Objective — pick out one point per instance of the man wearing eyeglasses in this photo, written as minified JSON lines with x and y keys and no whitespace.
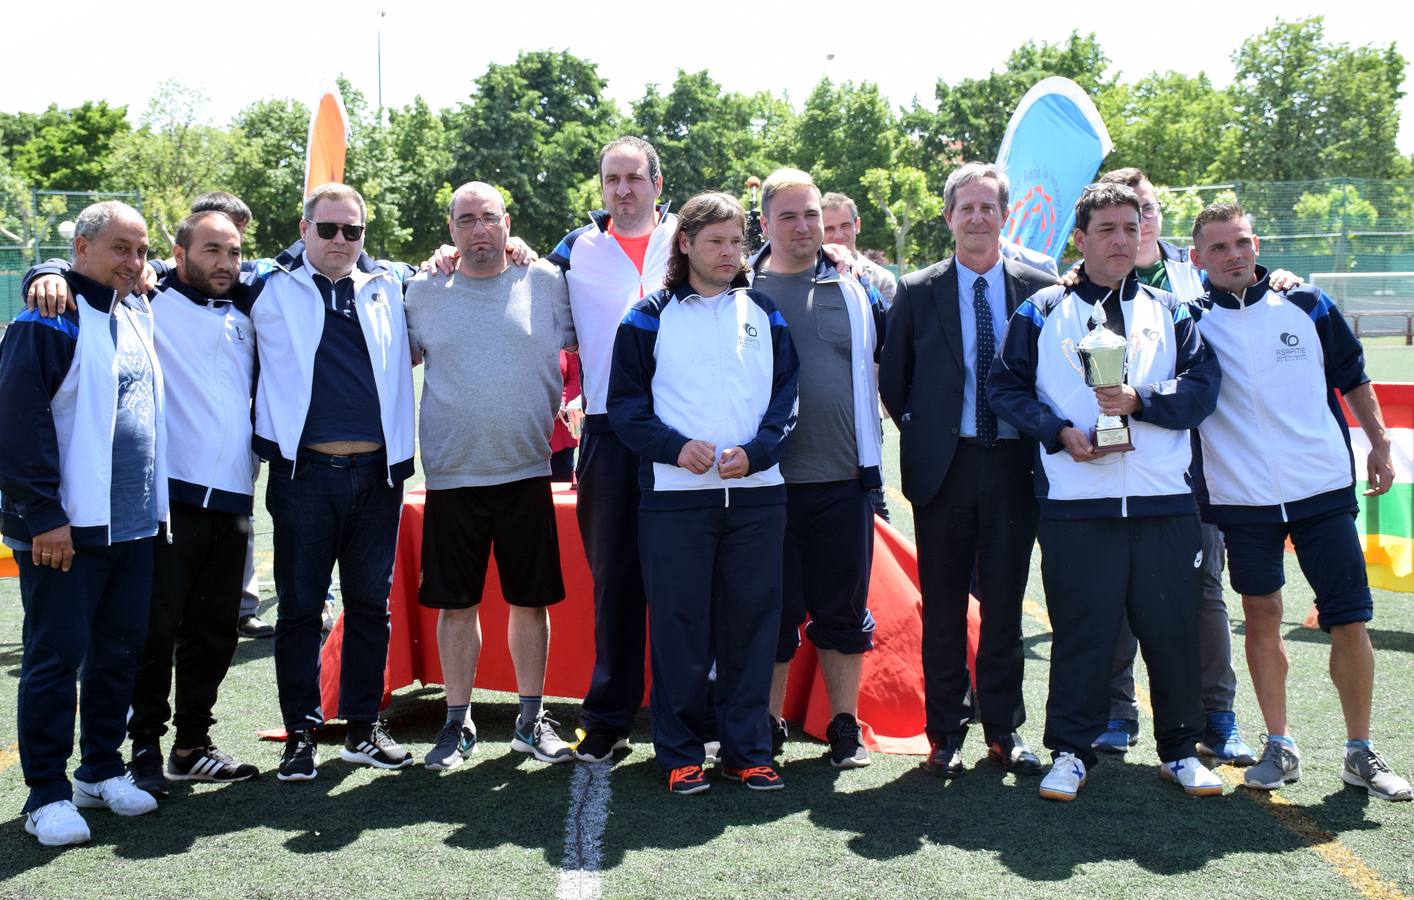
{"x":490,"y":336}
{"x":334,"y":418}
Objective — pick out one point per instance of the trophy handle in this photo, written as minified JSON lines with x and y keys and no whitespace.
{"x":1072,"y":356}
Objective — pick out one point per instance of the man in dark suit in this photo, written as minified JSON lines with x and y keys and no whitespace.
{"x":967,"y":475}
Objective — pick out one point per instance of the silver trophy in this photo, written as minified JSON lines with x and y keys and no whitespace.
{"x":1104,"y":358}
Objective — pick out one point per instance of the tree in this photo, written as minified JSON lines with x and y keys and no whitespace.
{"x":902,"y":194}
{"x":535,"y":128}
{"x":844,"y":132}
{"x":268,"y":171}
{"x":172,"y":158}
{"x":1308,"y":109}
{"x":420,"y":143}
{"x":69,"y":148}
{"x":1170,"y":125}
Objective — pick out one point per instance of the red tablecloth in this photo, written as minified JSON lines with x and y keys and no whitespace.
{"x":891,"y":694}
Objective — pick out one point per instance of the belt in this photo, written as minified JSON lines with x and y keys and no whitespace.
{"x":350,"y":461}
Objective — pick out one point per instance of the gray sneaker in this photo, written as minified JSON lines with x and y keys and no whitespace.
{"x":454,"y":743}
{"x":1280,"y":765}
{"x":1367,"y":769}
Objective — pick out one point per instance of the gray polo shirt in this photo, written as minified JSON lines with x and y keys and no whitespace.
{"x":491,"y":348}
{"x":822,"y":447}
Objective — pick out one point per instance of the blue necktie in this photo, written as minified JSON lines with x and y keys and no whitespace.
{"x":986,"y":349}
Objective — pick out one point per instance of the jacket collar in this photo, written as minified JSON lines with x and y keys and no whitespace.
{"x":1091,"y":292}
{"x":99,"y":295}
{"x":601,"y":217}
{"x":1254,"y":292}
{"x":175,"y":283}
{"x":824,"y":269}
{"x":684,"y":290}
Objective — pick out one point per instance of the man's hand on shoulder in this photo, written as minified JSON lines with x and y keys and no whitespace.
{"x":519,"y":252}
{"x":49,"y":294}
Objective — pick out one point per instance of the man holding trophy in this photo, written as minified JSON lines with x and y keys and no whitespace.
{"x":1108,"y":377}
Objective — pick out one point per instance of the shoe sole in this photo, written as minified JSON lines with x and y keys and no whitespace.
{"x":620,"y":744}
{"x":1289,"y":778}
{"x":156,"y":792}
{"x":942,"y":771}
{"x":173,"y":776}
{"x":688,"y":792}
{"x":84,"y":801}
{"x":78,"y":839}
{"x":1354,"y":780}
{"x":1211,"y":790}
{"x":298,"y":776}
{"x":1243,"y":761}
{"x":353,"y":756}
{"x":453,"y":762}
{"x":851,"y":762}
{"x":521,"y":746}
{"x":1111,"y":748}
{"x":1062,"y":796}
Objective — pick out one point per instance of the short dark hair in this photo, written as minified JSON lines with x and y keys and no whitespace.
{"x":1216,"y":212}
{"x":220,"y":201}
{"x":836,"y":200}
{"x":633,"y":143}
{"x":1130,"y":176}
{"x":696,"y":214}
{"x":1103,"y":195}
{"x":187,"y":227}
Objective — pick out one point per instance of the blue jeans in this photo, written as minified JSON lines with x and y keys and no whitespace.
{"x":89,"y":624}
{"x":325,"y":515}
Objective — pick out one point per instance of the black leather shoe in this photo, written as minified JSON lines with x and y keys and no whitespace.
{"x":1011,"y":751}
{"x":945,"y":759}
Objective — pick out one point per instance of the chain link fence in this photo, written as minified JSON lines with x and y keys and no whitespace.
{"x":33,"y":226}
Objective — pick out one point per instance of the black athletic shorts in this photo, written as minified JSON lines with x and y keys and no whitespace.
{"x":463,"y":526}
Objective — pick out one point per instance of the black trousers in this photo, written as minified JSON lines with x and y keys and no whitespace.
{"x":607,"y":510}
{"x":196,"y":598}
{"x":1095,"y":571}
{"x":85,"y":625}
{"x":983,"y":518}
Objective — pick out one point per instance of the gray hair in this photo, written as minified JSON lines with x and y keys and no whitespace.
{"x":97,"y":216}
{"x":334,"y":191}
{"x":475,"y":187}
{"x":836,"y":200}
{"x":967,"y":173}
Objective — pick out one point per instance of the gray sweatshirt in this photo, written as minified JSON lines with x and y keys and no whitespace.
{"x":492,"y":386}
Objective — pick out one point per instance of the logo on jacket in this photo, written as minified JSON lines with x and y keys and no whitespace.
{"x":1151,"y":334}
{"x":240,"y":335}
{"x":748,"y":339}
{"x":1290,"y":349}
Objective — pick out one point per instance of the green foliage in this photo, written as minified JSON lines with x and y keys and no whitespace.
{"x":67,"y":149}
{"x":268,"y":171}
{"x":1169,"y":125}
{"x":902,"y":194}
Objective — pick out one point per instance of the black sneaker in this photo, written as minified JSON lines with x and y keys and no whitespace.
{"x":377,"y":748}
{"x":599,"y":746}
{"x":146,"y":769}
{"x":301,"y":759}
{"x":779,"y":733}
{"x":208,"y":764}
{"x":253,"y":626}
{"x":846,"y":752}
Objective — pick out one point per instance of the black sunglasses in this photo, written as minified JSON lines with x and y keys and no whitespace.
{"x":327,"y":230}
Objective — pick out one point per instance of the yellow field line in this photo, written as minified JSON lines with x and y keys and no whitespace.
{"x":9,"y":756}
{"x":1327,"y":846}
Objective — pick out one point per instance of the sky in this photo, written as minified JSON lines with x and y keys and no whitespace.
{"x":256,"y":49}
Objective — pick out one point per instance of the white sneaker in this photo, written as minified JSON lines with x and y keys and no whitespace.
{"x":117,"y":793}
{"x":57,"y":824}
{"x":1066,"y":778}
{"x":711,"y":753}
{"x":1193,"y":776}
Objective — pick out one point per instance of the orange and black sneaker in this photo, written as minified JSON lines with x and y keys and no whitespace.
{"x":758,"y":778}
{"x":687,"y":780}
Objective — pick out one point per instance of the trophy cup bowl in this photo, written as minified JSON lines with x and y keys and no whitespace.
{"x":1104,"y":357}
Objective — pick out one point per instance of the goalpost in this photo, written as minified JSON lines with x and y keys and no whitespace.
{"x":1374,"y":302}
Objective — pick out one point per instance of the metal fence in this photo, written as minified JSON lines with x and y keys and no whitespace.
{"x":1331,"y":225}
{"x":32,"y":229}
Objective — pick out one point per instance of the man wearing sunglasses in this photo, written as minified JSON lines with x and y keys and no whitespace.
{"x":334,"y":418}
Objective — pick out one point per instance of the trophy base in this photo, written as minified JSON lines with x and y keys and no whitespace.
{"x":1111,"y":440}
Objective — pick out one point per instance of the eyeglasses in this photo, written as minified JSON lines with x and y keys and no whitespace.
{"x":487,"y":221}
{"x":327,"y":230}
{"x":1150,"y":210}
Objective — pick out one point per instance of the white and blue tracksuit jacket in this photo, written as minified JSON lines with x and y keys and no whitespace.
{"x":1037,"y":386}
{"x":686,"y":369}
{"x":58,"y":406}
{"x":1277,"y":448}
{"x":604,"y":284}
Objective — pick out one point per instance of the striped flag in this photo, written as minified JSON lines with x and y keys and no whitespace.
{"x":1386,"y":522}
{"x":328,"y":140}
